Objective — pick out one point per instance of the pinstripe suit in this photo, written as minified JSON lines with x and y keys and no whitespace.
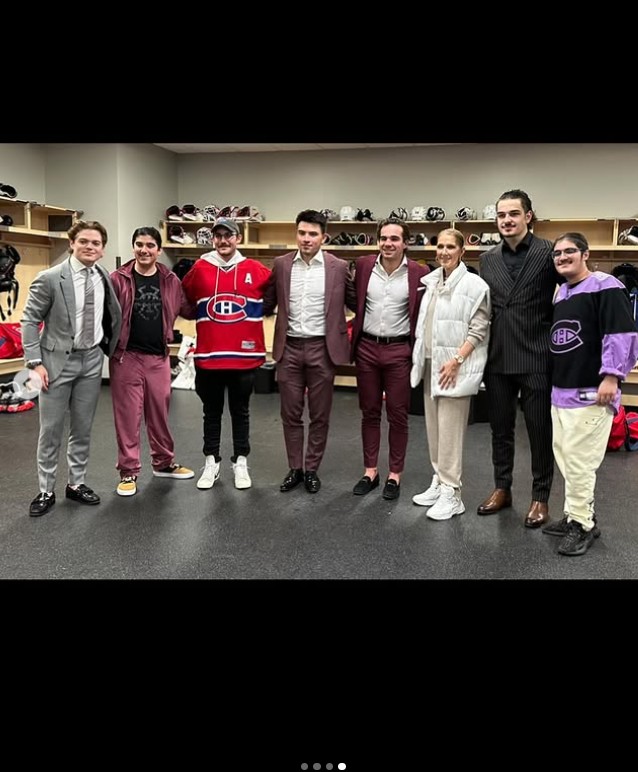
{"x":519,"y":359}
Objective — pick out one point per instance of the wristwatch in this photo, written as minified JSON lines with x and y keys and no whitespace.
{"x":33,"y":363}
{"x":459,"y":358}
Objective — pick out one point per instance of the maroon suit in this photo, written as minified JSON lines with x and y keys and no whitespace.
{"x":383,"y":367}
{"x":307,"y":362}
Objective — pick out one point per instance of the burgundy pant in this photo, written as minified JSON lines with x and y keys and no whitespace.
{"x":305,"y":363}
{"x":380,"y":368}
{"x":141,"y":385}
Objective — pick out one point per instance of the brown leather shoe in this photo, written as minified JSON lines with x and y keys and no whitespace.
{"x":499,"y":498}
{"x":538,"y":514}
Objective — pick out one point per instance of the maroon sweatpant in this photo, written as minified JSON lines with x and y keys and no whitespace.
{"x":141,"y":385}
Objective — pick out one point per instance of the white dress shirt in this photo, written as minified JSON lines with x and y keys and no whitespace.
{"x":307,"y":306}
{"x":387,"y":301}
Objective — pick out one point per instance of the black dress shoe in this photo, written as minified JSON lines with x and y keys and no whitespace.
{"x":41,"y":504}
{"x":312,"y":482}
{"x":391,"y":490}
{"x":291,"y":480}
{"x":365,"y":485}
{"x":83,"y":494}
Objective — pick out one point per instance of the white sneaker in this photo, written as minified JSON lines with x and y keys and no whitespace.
{"x":431,"y":495}
{"x":448,"y":504}
{"x":240,"y":468}
{"x":210,"y":474}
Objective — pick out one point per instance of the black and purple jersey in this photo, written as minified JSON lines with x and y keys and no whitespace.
{"x":593,"y":334}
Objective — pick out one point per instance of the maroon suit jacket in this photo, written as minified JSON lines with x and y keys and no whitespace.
{"x":277,"y":295}
{"x":358,"y":289}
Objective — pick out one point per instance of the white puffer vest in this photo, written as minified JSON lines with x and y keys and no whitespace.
{"x":457,"y":302}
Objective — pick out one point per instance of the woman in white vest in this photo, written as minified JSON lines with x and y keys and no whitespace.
{"x":449,"y":354}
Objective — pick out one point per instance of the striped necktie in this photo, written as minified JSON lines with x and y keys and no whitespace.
{"x":87,"y":337}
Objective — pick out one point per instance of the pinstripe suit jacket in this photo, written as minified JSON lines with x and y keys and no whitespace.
{"x":521,"y":310}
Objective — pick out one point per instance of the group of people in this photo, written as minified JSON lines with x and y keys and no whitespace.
{"x":562,"y":353}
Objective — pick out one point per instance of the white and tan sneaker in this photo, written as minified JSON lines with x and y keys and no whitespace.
{"x":210,"y":474}
{"x":176,"y":471}
{"x":127,"y":486}
{"x":240,"y":468}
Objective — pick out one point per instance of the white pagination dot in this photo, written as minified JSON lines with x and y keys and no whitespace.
{"x":341,"y":765}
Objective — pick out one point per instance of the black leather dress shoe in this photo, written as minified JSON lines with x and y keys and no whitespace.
{"x":83,"y":494}
{"x":41,"y":504}
{"x":365,"y":485}
{"x":391,"y":490}
{"x":312,"y":482}
{"x":291,"y":480}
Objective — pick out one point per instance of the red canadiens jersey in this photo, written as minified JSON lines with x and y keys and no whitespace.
{"x":230,"y":330}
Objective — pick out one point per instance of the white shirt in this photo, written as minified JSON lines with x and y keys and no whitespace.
{"x":79,"y":281}
{"x":307,"y":307}
{"x":387,"y":301}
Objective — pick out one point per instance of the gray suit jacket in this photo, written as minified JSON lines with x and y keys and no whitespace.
{"x":52,"y":301}
{"x":277,"y":295}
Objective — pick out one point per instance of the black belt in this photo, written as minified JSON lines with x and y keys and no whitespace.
{"x":299,"y":339}
{"x":386,"y":341}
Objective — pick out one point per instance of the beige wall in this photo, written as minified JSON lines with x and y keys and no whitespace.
{"x":563,"y":180}
{"x":22,"y":166}
{"x":121,"y":185}
{"x":146,"y":187}
{"x":128,"y":185}
{"x":84,"y":176}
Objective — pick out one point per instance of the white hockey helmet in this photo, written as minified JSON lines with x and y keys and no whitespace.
{"x":347,"y":213}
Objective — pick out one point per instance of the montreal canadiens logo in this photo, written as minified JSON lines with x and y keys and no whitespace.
{"x":226,"y":308}
{"x":565,"y":337}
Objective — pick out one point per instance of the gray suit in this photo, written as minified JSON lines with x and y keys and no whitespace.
{"x":75,"y":377}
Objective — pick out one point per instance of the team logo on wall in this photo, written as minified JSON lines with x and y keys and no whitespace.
{"x":565,"y":337}
{"x":226,"y":308}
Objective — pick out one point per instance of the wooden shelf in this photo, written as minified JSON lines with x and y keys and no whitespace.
{"x":34,"y":232}
{"x":265,"y":240}
{"x":39,"y":233}
{"x":9,"y":366}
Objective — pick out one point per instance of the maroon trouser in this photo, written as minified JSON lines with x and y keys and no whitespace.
{"x":384,"y":367}
{"x":141,"y":385}
{"x":305,"y":363}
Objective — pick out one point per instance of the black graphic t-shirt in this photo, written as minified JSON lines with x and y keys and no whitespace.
{"x":146,"y":320}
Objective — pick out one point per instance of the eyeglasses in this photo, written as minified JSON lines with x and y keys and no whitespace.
{"x":225,"y":235}
{"x":569,"y":251}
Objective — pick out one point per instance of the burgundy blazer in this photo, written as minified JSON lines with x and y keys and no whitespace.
{"x":277,"y":295}
{"x":358,"y":289}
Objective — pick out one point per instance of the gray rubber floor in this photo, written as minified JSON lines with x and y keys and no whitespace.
{"x":171,"y":530}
